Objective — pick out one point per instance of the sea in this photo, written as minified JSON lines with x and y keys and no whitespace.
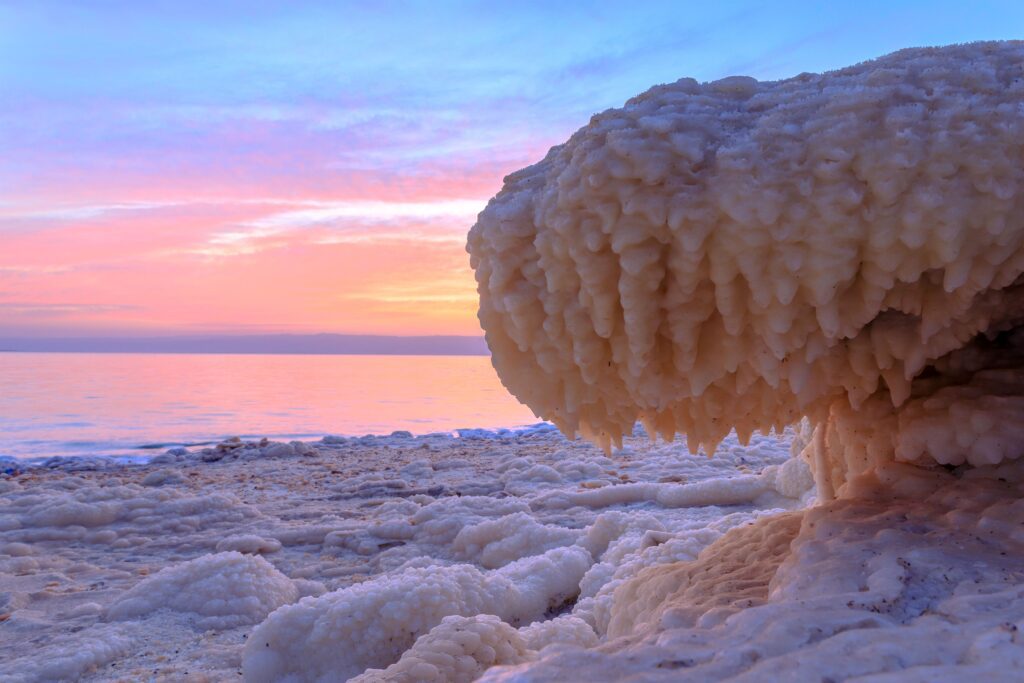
{"x":136,"y":405}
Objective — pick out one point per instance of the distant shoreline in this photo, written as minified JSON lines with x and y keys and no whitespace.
{"x":271,"y":344}
{"x":253,"y":353}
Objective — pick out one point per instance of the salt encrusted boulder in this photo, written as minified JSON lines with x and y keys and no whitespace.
{"x":737,"y":254}
{"x":222,"y":591}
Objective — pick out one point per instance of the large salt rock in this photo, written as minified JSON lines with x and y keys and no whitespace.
{"x":737,"y":254}
{"x":222,"y":591}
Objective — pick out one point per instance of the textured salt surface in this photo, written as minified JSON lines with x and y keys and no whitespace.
{"x":130,"y":572}
{"x":516,"y":557}
{"x":927,"y":585}
{"x":846,"y":246}
{"x":844,"y":250}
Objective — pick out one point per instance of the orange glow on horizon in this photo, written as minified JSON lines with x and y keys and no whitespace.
{"x":370,"y":266}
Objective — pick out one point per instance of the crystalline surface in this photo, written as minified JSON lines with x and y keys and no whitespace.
{"x":737,"y":254}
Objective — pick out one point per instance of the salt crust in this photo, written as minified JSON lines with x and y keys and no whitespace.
{"x":716,"y":585}
{"x":60,"y":662}
{"x":736,"y":254}
{"x":221,"y":591}
{"x":495,"y":543}
{"x":81,"y":539}
{"x":866,"y":590}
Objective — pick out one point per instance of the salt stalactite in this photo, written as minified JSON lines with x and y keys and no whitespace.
{"x":846,"y":246}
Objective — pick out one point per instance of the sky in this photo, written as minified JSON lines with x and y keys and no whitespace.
{"x":302,"y":167}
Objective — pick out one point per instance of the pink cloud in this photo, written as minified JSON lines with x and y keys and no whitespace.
{"x":368,"y":266}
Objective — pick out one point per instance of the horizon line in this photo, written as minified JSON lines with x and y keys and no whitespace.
{"x":321,"y":343}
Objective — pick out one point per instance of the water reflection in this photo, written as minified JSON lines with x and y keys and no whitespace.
{"x":68,"y":403}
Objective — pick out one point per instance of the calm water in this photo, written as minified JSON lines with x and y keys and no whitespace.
{"x":117,"y":404}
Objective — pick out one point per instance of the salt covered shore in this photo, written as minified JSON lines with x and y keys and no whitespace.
{"x":165,"y":571}
{"x":515,"y":556}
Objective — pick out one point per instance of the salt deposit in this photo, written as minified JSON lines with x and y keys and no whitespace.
{"x":843,"y":250}
{"x":402,"y":586}
{"x":889,"y":588}
{"x":847,"y":246}
{"x":220,"y":591}
{"x":458,"y":650}
{"x":382,"y":618}
{"x":347,"y":555}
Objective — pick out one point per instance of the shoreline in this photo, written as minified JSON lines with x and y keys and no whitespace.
{"x":197,"y":447}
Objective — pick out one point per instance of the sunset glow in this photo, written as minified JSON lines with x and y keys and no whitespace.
{"x":241,"y":168}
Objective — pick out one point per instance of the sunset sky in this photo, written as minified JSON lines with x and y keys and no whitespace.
{"x":221,"y":167}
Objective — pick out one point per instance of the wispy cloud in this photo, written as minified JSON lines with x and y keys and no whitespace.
{"x":75,"y":212}
{"x":61,"y":309}
{"x":321,"y":213}
{"x":349,"y":222}
{"x":33,"y":270}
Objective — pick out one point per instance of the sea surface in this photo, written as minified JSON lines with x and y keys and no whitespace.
{"x":112,"y":404}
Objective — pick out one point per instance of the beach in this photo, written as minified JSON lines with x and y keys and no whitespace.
{"x":80,"y":534}
{"x":504,"y":555}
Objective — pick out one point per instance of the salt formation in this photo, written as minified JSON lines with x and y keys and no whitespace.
{"x":926,"y":586}
{"x":737,"y":254}
{"x":83,"y":543}
{"x":380,"y":619}
{"x":495,"y":543}
{"x":456,"y":651}
{"x":62,"y":661}
{"x":249,"y":544}
{"x":221,"y":591}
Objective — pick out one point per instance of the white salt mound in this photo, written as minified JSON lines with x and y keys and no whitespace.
{"x":222,"y":591}
{"x":495,"y":543}
{"x":341,"y":634}
{"x":457,"y":650}
{"x":564,"y":630}
{"x":249,"y":544}
{"x":737,"y":254}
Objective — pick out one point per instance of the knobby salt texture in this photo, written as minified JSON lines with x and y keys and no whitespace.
{"x":737,"y":254}
{"x":221,"y":591}
{"x":110,"y":577}
{"x":458,"y":650}
{"x":888,"y":586}
{"x":380,"y":619}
